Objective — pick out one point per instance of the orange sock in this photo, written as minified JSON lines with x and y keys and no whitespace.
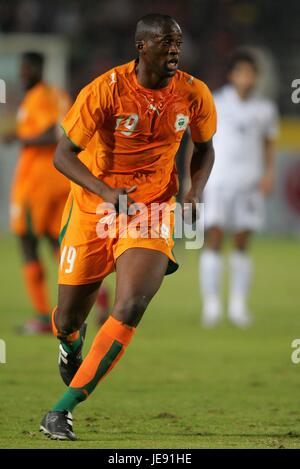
{"x":36,"y":286}
{"x":108,"y":347}
{"x":106,"y":350}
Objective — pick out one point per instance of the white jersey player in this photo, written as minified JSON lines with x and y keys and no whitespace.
{"x":242,"y":176}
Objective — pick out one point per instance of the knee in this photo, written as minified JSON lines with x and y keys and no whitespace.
{"x":64,"y":324}
{"x":130,"y":310}
{"x":240,"y":246}
{"x":214,"y":239}
{"x":241,"y":241}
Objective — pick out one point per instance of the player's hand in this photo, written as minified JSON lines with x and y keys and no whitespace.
{"x":190,"y":202}
{"x":266,"y":185}
{"x":112,"y":196}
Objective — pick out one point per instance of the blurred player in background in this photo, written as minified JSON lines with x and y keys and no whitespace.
{"x":242,"y":176}
{"x":122,"y":136}
{"x":39,"y":191}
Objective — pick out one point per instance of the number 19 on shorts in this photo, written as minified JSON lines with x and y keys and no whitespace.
{"x":67,"y":259}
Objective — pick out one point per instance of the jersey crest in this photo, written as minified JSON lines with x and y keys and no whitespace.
{"x":181,"y":122}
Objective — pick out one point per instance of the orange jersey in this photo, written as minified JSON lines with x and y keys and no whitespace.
{"x":42,"y":107}
{"x":130,"y":135}
{"x":38,"y":187}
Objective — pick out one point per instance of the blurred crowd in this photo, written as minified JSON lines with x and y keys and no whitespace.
{"x":101,"y":33}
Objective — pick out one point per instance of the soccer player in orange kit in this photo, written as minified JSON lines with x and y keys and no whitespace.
{"x":121,"y":137}
{"x":39,"y":191}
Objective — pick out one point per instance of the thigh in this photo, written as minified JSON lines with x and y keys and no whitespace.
{"x":216,"y":208}
{"x":248,"y":212}
{"x":140,"y":273}
{"x":214,"y":238}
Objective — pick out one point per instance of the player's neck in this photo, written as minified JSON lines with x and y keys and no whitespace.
{"x":149,"y":79}
{"x":243,"y":94}
{"x":32,"y":84}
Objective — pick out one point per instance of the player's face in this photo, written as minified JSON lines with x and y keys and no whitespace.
{"x":243,"y":77}
{"x":162,"y":50}
{"x":29,"y":73}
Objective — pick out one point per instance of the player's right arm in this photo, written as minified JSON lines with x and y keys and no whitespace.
{"x":82,"y":121}
{"x":67,"y":162}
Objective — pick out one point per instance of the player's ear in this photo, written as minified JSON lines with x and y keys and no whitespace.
{"x":140,"y":46}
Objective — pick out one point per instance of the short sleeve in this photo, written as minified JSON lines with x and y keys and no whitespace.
{"x":204,"y":117}
{"x":87,"y":114}
{"x":272,"y":121}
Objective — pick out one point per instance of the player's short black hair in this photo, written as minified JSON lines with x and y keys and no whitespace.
{"x":35,"y":58}
{"x":242,"y":55}
{"x":148,"y":23}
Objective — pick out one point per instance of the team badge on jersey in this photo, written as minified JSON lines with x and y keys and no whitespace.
{"x":181,"y":122}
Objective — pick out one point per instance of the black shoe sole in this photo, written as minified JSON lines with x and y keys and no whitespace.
{"x":53,"y":436}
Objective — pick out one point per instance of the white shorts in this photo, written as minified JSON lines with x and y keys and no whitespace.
{"x":233,"y":209}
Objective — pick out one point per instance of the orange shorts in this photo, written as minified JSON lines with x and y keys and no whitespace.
{"x":38,"y":199}
{"x":91,"y":243}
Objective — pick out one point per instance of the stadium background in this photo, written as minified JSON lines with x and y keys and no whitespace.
{"x":82,"y":39}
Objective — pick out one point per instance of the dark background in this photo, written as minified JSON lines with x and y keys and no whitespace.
{"x":101,"y":33}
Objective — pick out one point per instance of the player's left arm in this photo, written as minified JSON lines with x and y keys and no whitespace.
{"x":48,"y":137}
{"x":48,"y":112}
{"x":266,"y":183}
{"x":202,"y":161}
{"x":271,"y":129}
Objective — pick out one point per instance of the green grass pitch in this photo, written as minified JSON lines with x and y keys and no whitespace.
{"x":178,"y":386}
